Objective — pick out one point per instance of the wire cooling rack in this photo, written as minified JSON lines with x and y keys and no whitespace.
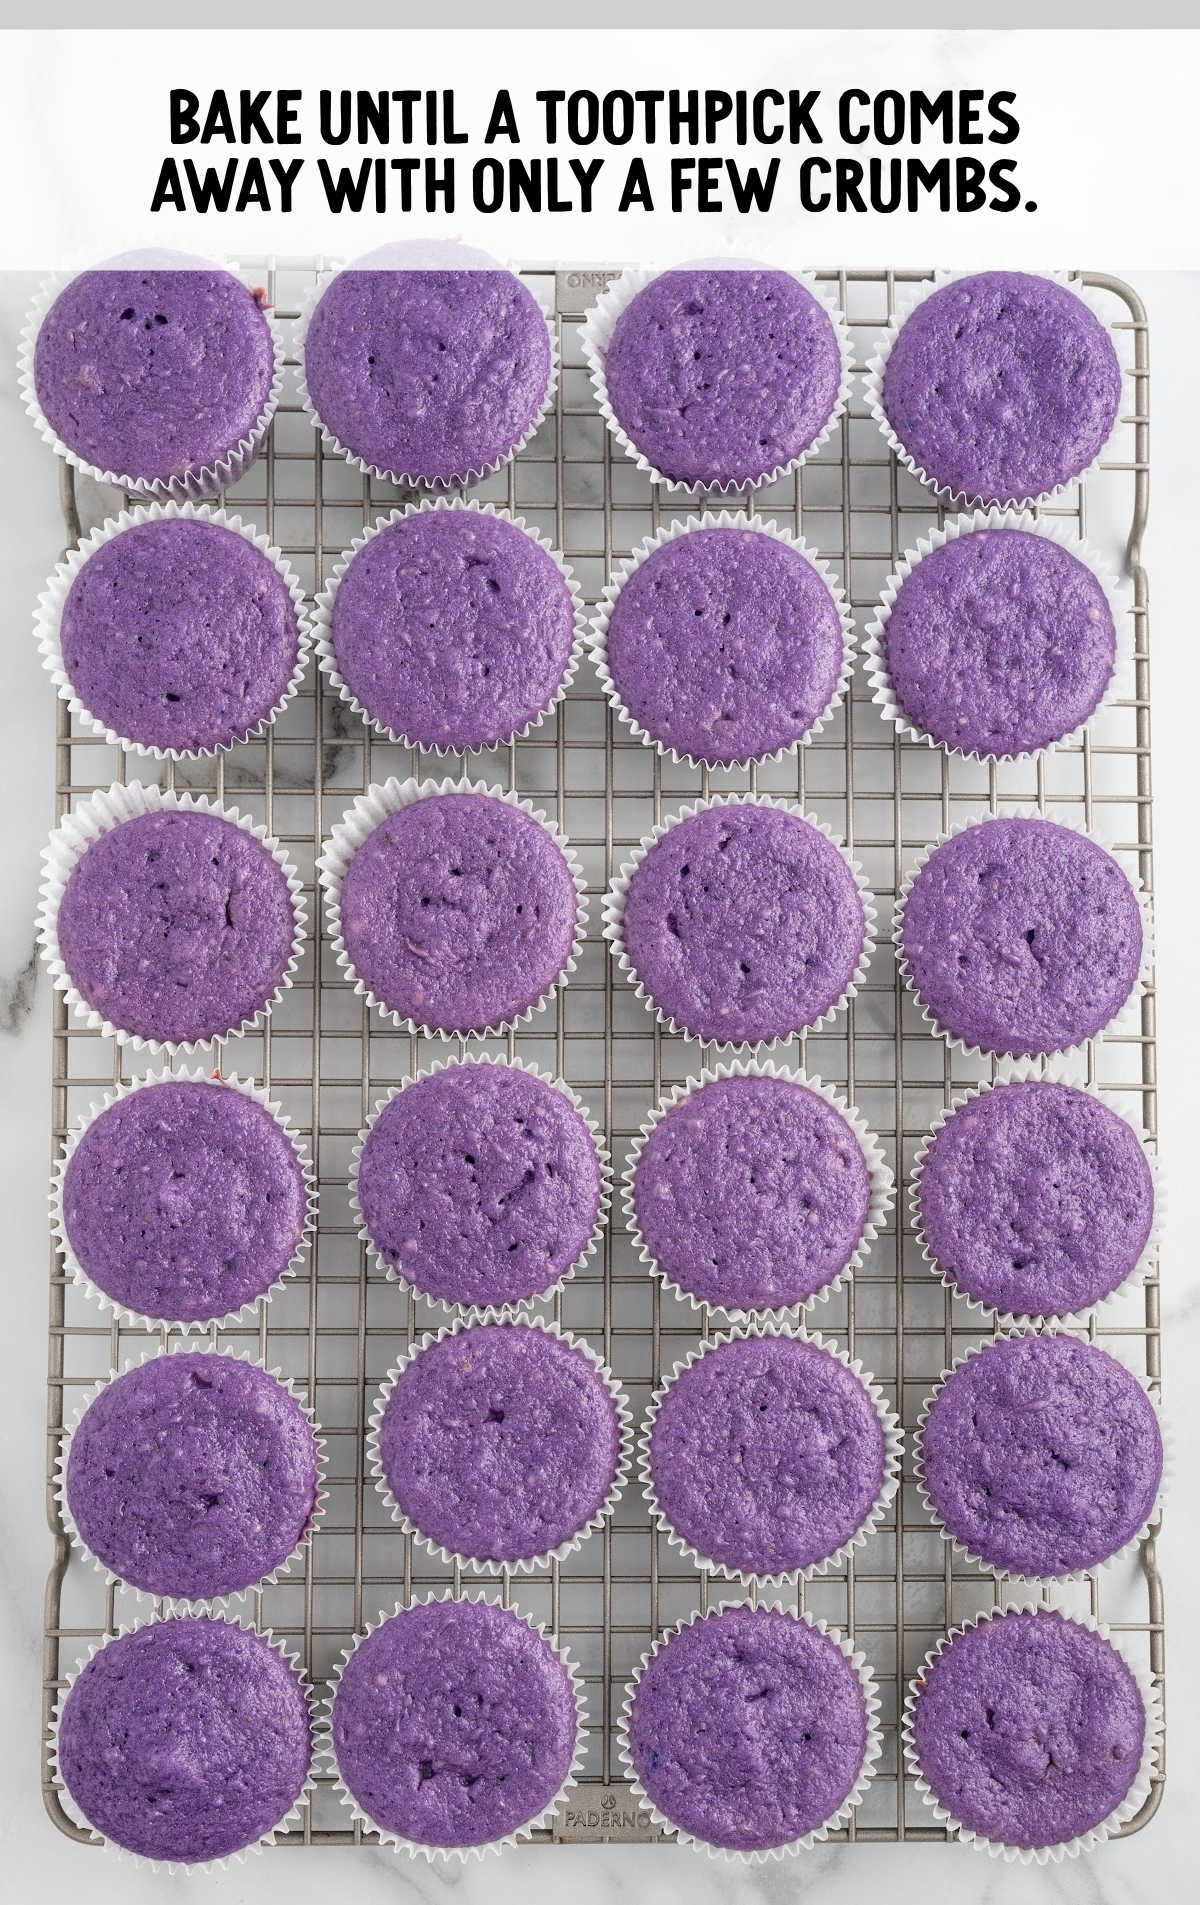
{"x":329,"y":1059}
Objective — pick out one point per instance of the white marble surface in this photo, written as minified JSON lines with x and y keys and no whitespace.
{"x":36,"y":1861}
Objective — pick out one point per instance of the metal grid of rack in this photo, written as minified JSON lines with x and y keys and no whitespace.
{"x":328,"y":1059}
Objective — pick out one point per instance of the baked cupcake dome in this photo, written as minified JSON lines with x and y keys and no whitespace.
{"x":480,"y":1184}
{"x":997,"y":643}
{"x":192,"y":1476}
{"x":1002,"y":1702}
{"x":186,"y":1740}
{"x":451,"y":627}
{"x":1000,"y":387}
{"x":741,"y":921}
{"x":723,"y":376}
{"x":1034,"y":1199}
{"x":178,"y":632}
{"x":724,"y":643}
{"x":751,"y":1732}
{"x":1041,"y":1455}
{"x":1020,"y":936}
{"x":769,"y":1454}
{"x":454,"y":1726}
{"x":155,"y":376}
{"x":500,"y":1443}
{"x":755,"y":1191}
{"x":427,"y":376}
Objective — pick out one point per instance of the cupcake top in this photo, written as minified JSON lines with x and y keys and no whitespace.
{"x":193,"y":1475}
{"x":767,"y":1454}
{"x":1002,"y":386}
{"x":1029,"y":1729}
{"x":748,"y":1729}
{"x":186,"y":1740}
{"x":1035,"y":1199}
{"x":454,"y":1724}
{"x":752,"y":1193}
{"x":154,"y":375}
{"x":184,"y":1200}
{"x":433,"y":375}
{"x":1042,"y":1455}
{"x":999,"y":643}
{"x":723,"y":376}
{"x":176,"y":925}
{"x":725,"y":645}
{"x":179,"y":634}
{"x":500,"y":1442}
{"x":459,"y":912}
{"x":453,"y":628}
{"x":1021,"y":937}
{"x":480,"y":1185}
{"x":744,"y":922}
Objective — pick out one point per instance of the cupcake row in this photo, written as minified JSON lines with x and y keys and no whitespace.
{"x":455,"y":1727}
{"x":177,"y":630}
{"x":161,"y":374}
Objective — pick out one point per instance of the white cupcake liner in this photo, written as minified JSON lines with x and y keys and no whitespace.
{"x":290,"y":1820}
{"x":595,"y":336}
{"x":52,"y":601}
{"x":103,"y":811}
{"x":194,"y":484}
{"x":893,"y":1440}
{"x":484,"y":1564}
{"x":1070,"y":1848}
{"x":881,"y":1194}
{"x":454,"y":1855}
{"x":874,"y":655}
{"x":1125,"y":1013}
{"x":961,"y":1549}
{"x":176,"y":1603}
{"x":1022,"y":1071}
{"x":906,"y":303}
{"x":671,"y":532}
{"x":73,"y":1267}
{"x":323,"y":622}
{"x":403,"y":479}
{"x":518,"y":1306}
{"x":360,"y":821}
{"x":836,"y":1820}
{"x":614,"y":915}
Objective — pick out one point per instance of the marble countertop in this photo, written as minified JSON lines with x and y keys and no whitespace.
{"x":37,"y":1861}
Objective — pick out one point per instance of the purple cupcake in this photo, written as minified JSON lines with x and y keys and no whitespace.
{"x":996,"y":642}
{"x":427,"y":376}
{"x":755,"y":1192}
{"x":1000,"y":387}
{"x":723,"y":644}
{"x":480,"y":1184}
{"x":175,"y":926}
{"x":727,"y":376}
{"x":454,"y":1727}
{"x":450,"y":628}
{"x":161,"y":380}
{"x":741,"y":922}
{"x":769,"y":1455}
{"x":186,"y":1740}
{"x":1020,"y":937}
{"x":1034,"y":1199}
{"x":183,"y":1200}
{"x":174,"y":634}
{"x":751,"y":1732}
{"x":1029,"y":1731}
{"x":500,"y":1444}
{"x":455,"y":910}
{"x":1041,"y":1455}
{"x":193,"y":1476}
